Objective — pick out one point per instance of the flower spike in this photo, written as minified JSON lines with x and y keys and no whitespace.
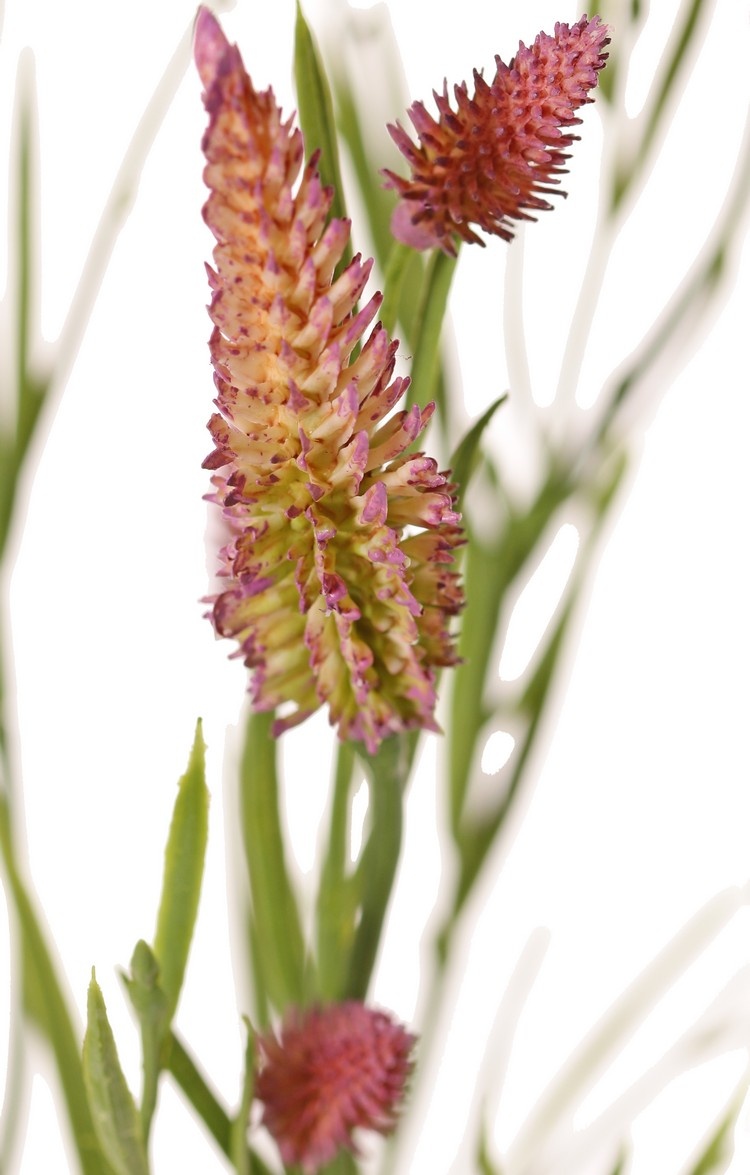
{"x":492,"y":160}
{"x":330,"y":1071}
{"x":332,"y":600}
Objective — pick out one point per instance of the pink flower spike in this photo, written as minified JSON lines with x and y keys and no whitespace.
{"x":492,"y":160}
{"x":330,"y":1071}
{"x":317,"y":588}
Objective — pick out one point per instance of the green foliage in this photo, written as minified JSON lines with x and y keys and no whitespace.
{"x":465,"y":456}
{"x":152,"y":1008}
{"x":183,"y":873}
{"x":315,"y":109}
{"x":113,"y":1110}
{"x":46,"y":1004}
{"x":278,"y":946}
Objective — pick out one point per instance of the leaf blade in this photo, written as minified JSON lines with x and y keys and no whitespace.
{"x":114,"y":1114}
{"x":183,"y":873}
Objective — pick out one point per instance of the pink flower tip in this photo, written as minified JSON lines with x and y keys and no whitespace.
{"x":330,"y":1071}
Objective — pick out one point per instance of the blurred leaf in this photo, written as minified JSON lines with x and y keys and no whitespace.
{"x":183,"y":873}
{"x":466,"y":454}
{"x":152,"y":1008}
{"x":316,"y":114}
{"x":572,"y":1083}
{"x":485,"y":1166}
{"x":113,"y":1110}
{"x":717,"y":1153}
{"x":621,"y":1162}
{"x":671,"y":70}
{"x":46,"y":1004}
{"x":240,"y":1156}
{"x":427,"y":333}
{"x":280,"y":949}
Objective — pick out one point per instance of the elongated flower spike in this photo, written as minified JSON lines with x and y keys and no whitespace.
{"x":339,"y":585}
{"x":329,"y":1072}
{"x":492,"y":160}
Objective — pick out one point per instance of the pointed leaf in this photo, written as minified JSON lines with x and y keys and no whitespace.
{"x":46,"y":1003}
{"x":316,"y":112}
{"x":113,"y":1110}
{"x":464,"y":458}
{"x":719,"y":1149}
{"x":183,"y":873}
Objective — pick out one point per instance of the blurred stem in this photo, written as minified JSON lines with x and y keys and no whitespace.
{"x":672,"y":68}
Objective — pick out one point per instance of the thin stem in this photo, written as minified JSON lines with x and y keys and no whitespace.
{"x":205,"y":1102}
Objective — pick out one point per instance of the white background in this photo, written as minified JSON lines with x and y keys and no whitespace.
{"x":641,"y":808}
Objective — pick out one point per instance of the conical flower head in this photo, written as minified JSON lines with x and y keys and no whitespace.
{"x":339,"y":586}
{"x":331,"y":1071}
{"x":492,"y":159}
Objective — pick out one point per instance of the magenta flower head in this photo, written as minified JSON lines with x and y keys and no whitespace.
{"x":339,"y":586}
{"x":331,"y":1071}
{"x":492,"y":159}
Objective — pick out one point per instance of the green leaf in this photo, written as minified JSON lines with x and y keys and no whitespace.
{"x":621,"y":1162}
{"x":183,"y":873}
{"x":280,"y":950}
{"x":113,"y":1110}
{"x":152,"y":1008}
{"x":464,"y":459}
{"x":719,"y":1149}
{"x":315,"y":109}
{"x":46,"y":1003}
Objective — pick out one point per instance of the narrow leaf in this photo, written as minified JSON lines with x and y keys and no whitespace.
{"x":316,"y":112}
{"x":113,"y":1110}
{"x":719,"y":1149}
{"x":464,"y":459}
{"x":183,"y":873}
{"x":152,"y":1008}
{"x":47,"y":1004}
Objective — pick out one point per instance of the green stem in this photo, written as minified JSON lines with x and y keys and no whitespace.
{"x":280,"y":952}
{"x":205,"y":1102}
{"x":388,"y":771}
{"x":336,"y":906}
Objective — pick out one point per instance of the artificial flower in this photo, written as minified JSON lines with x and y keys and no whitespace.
{"x":331,"y":1071}
{"x":493,"y":158}
{"x":338,"y":565}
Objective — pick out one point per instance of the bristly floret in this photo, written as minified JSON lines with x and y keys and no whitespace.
{"x":492,"y":159}
{"x":330,"y":601}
